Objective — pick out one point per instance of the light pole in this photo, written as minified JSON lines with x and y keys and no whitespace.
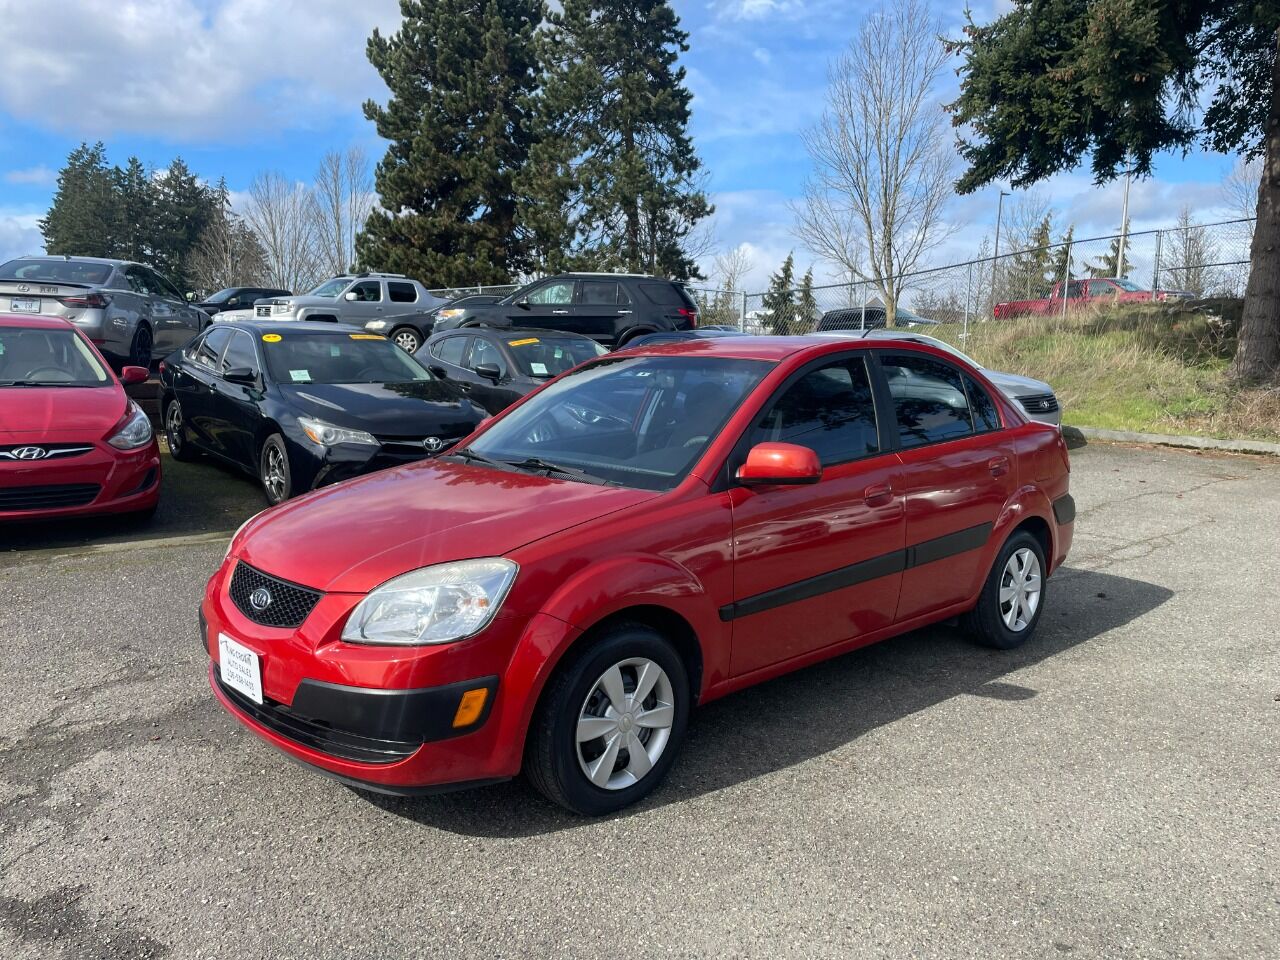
{"x":1124,"y":220}
{"x":995,"y":256}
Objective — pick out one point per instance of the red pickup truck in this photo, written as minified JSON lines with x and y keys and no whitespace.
{"x":1082,"y":292}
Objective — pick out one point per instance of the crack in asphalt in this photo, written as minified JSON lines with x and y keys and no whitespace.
{"x":58,"y":920}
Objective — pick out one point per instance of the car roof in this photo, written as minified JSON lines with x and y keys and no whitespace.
{"x":35,"y":321}
{"x":289,"y":326}
{"x":771,"y":348}
{"x":47,"y":258}
{"x":505,"y":332}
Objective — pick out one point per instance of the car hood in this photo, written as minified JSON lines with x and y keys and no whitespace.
{"x":417,"y":409}
{"x":1015,"y":385}
{"x":60,"y":413}
{"x":354,"y":536}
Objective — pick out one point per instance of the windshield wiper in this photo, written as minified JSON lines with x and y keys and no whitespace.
{"x":41,"y":383}
{"x":470,"y":456}
{"x":537,"y":463}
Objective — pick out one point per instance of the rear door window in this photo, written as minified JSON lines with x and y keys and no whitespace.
{"x":600,"y":293}
{"x":451,"y":350}
{"x":928,"y":397}
{"x":400,"y":292}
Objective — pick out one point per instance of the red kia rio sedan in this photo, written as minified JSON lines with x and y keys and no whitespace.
{"x":647,"y":532}
{"x":71,"y":442}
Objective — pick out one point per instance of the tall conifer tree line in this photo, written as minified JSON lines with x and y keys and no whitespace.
{"x":526,"y":140}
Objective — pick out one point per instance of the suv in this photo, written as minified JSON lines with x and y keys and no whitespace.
{"x":371,"y":301}
{"x":238,"y":298}
{"x":610,"y":308}
{"x":127,"y":309}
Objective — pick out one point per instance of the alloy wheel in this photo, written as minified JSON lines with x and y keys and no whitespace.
{"x":625,"y":723}
{"x":173,"y":426}
{"x":1020,"y":587}
{"x":407,"y":341}
{"x":142,"y":348}
{"x":273,"y":473}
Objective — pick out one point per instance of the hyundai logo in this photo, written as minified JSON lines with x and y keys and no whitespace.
{"x":260,"y":599}
{"x":433,"y":444}
{"x":29,"y":453}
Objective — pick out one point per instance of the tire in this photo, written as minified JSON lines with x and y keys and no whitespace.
{"x":175,"y":432}
{"x":140,"y":348}
{"x":407,"y":339}
{"x":630,"y":335}
{"x":994,"y":621}
{"x":557,"y":764}
{"x":273,"y":473}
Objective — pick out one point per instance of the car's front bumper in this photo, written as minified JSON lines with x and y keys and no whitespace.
{"x":381,"y":716}
{"x":102,"y":481}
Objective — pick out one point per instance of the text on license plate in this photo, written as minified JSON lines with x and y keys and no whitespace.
{"x":25,"y":305}
{"x":240,"y":668}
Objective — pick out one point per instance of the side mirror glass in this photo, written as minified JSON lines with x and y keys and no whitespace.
{"x":131,"y":376}
{"x":522,"y":304}
{"x":490,"y":371}
{"x":779,"y":464}
{"x":191,"y":297}
{"x":349,"y":295}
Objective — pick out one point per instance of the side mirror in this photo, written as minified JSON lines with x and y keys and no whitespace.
{"x":523,"y":304}
{"x":349,"y":295}
{"x":779,"y":464}
{"x":241,"y":375}
{"x":490,"y":371}
{"x":191,"y":297}
{"x":131,"y":376}
{"x":440,"y":372}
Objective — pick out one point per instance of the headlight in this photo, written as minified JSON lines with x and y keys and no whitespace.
{"x":326,"y":434}
{"x":450,"y":601}
{"x":376,"y":325}
{"x":277,"y":309}
{"x":450,"y":314}
{"x":136,"y":431}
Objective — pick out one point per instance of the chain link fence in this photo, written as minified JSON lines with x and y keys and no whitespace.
{"x":490,"y":290}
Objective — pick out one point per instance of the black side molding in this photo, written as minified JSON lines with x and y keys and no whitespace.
{"x":1064,"y":509}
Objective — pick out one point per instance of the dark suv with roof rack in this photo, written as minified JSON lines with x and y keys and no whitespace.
{"x":610,"y":308}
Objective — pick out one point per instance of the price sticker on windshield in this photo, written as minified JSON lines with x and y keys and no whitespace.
{"x":522,"y":343}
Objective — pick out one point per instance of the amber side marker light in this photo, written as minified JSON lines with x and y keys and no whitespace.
{"x":470,"y":707}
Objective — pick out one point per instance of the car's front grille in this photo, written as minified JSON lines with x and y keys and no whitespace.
{"x":316,"y":734}
{"x":48,"y":497}
{"x":1039,"y":403}
{"x":262,"y":311}
{"x":43,"y":451}
{"x":417,"y":445}
{"x":269,"y":600}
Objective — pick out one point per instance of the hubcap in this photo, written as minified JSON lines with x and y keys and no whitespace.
{"x":625,"y":723}
{"x":1020,"y":590}
{"x":173,"y":425}
{"x":273,"y":475}
{"x":407,"y":342}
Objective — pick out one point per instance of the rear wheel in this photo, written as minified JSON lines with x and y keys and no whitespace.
{"x":175,"y":432}
{"x":1012,"y":599}
{"x":610,"y":723}
{"x":273,"y":470}
{"x":407,"y":339}
{"x":140,"y":349}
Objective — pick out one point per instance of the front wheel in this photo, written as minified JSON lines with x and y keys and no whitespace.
{"x":407,"y":339}
{"x":273,"y":470}
{"x":610,"y":723}
{"x":175,"y":432}
{"x":1012,"y":598}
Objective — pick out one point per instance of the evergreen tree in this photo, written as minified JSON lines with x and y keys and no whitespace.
{"x":1029,"y":268}
{"x":137,"y":192}
{"x":1108,"y":264}
{"x":461,"y":74}
{"x":614,"y":180}
{"x":85,"y":217}
{"x":183,"y":208}
{"x":807,"y":312}
{"x":1062,"y":257}
{"x":778,"y":302}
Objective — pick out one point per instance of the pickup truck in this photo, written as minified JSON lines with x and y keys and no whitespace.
{"x":1099,"y":290}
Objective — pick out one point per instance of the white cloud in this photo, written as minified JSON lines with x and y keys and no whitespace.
{"x":19,"y":234}
{"x":756,"y":9}
{"x":762,"y":56}
{"x":174,"y":69}
{"x":40,"y":176}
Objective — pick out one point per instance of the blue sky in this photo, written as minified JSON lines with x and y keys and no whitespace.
{"x":238,"y":86}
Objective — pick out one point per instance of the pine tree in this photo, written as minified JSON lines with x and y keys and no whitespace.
{"x":807,"y":312}
{"x":137,"y":191}
{"x":1062,"y":257}
{"x":85,"y":218}
{"x":778,"y":302}
{"x":614,"y":180}
{"x":183,"y":208}
{"x":1029,"y":268}
{"x":461,"y":74}
{"x":1108,"y":264}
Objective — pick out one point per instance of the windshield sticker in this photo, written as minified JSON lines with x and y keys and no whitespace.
{"x":300,"y":376}
{"x":522,"y":343}
{"x":367,"y":336}
{"x":539,"y":369}
{"x":271,"y":338}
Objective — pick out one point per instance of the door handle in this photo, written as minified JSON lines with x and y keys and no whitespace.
{"x":624,"y":311}
{"x":560,"y":312}
{"x":998,"y":466}
{"x":878,"y":494}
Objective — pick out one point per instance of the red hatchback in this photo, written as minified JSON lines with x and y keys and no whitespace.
{"x":71,"y":442}
{"x":647,"y":532}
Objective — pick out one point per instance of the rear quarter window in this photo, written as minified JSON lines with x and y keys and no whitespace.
{"x":666,"y":294}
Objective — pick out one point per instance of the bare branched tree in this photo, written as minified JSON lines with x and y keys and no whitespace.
{"x":1240,"y":190}
{"x":1192,"y":255}
{"x":227,"y":254}
{"x":882,"y":153}
{"x":282,"y":215}
{"x":342,"y":198}
{"x":732,"y":266}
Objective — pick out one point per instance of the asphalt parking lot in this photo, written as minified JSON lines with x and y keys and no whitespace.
{"x":1110,"y":790}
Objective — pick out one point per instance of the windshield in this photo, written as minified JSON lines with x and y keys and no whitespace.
{"x":338,"y":358}
{"x":546,"y":357}
{"x":631,"y":421}
{"x":1127,"y":285}
{"x":56,"y":271}
{"x":222,"y":295}
{"x":331,"y":288}
{"x":33,"y":357}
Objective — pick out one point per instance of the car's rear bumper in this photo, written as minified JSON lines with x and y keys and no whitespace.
{"x":104,"y":481}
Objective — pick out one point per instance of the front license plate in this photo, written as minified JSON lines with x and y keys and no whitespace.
{"x":24,"y":305}
{"x":240,"y":668}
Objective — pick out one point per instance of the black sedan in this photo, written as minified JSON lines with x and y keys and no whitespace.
{"x":303,"y":405}
{"x":496,"y":366}
{"x":238,"y":298}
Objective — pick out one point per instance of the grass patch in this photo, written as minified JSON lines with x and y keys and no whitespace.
{"x":1131,"y":367}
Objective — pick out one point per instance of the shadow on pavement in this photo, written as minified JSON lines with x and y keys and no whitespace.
{"x":195,"y":498}
{"x":806,"y":714}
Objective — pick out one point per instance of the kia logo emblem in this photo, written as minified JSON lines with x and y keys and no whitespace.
{"x":433,"y":443}
{"x":260,"y":599}
{"x":30,"y":453}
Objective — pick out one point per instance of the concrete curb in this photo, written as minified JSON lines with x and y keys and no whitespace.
{"x":1167,"y":440}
